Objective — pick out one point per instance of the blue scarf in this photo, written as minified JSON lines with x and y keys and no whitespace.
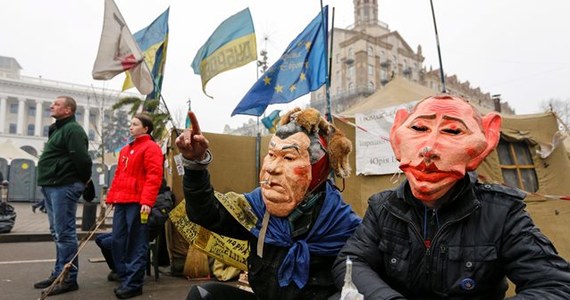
{"x":334,"y":225}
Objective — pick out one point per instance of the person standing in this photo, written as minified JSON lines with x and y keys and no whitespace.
{"x":64,"y":168}
{"x":133,"y":193}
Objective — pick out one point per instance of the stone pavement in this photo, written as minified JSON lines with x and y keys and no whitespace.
{"x":27,"y":252}
{"x":34,"y":227}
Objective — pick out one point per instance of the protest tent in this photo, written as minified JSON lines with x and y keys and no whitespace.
{"x":9,"y":151}
{"x":537,"y":136}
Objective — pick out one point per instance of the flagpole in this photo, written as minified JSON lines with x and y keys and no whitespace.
{"x":328,"y":86}
{"x":441,"y":73}
{"x":327,"y":59}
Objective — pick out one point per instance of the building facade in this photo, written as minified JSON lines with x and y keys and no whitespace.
{"x":367,"y":55}
{"x":25,"y":107}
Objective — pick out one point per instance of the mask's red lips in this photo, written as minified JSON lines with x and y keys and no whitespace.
{"x":429,"y":173}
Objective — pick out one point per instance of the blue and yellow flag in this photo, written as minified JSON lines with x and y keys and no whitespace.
{"x":153,"y":41}
{"x":270,"y":122}
{"x":231,"y":45}
{"x":301,"y":69}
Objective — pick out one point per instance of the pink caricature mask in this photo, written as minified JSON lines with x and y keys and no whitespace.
{"x":286,"y":173}
{"x":439,"y":141}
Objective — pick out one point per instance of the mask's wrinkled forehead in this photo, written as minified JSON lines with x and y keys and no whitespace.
{"x":294,"y":146}
{"x":316,"y":150}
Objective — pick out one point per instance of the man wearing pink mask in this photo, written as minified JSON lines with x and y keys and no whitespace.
{"x":300,"y":220}
{"x":441,"y":234}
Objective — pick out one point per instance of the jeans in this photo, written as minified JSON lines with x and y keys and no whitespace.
{"x":130,"y":245}
{"x":61,"y":205}
{"x":105,"y":242}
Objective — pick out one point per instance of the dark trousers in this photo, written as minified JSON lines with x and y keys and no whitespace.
{"x":130,"y":245}
{"x":105,"y":242}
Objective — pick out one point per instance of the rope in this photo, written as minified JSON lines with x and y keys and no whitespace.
{"x":60,"y":278}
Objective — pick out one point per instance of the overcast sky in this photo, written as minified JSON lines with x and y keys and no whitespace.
{"x":519,"y":49}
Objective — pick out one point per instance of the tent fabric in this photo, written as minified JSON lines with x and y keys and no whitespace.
{"x":536,"y":130}
{"x":234,"y":165}
{"x":10,"y":152}
{"x":396,"y":92}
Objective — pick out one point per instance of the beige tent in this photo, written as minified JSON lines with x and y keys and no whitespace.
{"x":233,"y":168}
{"x":396,"y":92}
{"x":538,"y":131}
{"x":9,"y":152}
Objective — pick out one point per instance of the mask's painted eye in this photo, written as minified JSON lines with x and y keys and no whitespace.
{"x":419,"y":128}
{"x":453,"y":131}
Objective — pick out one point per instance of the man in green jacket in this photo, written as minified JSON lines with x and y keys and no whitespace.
{"x":64,"y":169}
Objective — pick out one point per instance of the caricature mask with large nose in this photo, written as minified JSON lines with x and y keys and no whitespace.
{"x":286,"y":173}
{"x":439,"y":141}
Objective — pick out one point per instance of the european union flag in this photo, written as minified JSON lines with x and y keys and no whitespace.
{"x":301,"y":69}
{"x":270,"y":122}
{"x":153,"y":41}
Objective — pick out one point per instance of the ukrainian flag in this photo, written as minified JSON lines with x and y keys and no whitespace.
{"x":270,"y":122}
{"x":153,"y":41}
{"x":231,"y":45}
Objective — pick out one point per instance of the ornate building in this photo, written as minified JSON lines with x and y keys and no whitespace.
{"x":25,"y":107}
{"x":367,"y":55}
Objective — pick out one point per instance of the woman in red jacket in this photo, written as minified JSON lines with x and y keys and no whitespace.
{"x":132,"y":194}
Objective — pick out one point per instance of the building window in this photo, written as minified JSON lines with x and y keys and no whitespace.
{"x":14,"y":108}
{"x":350,"y":53}
{"x":78,"y":115}
{"x":32,"y":110}
{"x":12,"y":129}
{"x":370,"y":86}
{"x":47,"y":112}
{"x":92,"y":119}
{"x":517,"y":166}
{"x":31,"y":128}
{"x":370,"y":51}
{"x":370,"y":70}
{"x":46,"y":131}
{"x":91,"y":134}
{"x":351,"y":72}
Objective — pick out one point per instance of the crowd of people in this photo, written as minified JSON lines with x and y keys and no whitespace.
{"x":440,"y":234}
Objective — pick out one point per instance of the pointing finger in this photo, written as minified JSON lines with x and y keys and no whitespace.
{"x":194,"y":123}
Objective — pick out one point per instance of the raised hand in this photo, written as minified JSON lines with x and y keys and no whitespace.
{"x":191,"y":143}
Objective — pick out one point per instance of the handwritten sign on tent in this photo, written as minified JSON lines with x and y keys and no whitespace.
{"x":374,"y":155}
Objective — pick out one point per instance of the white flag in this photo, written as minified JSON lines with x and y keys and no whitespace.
{"x":119,"y":52}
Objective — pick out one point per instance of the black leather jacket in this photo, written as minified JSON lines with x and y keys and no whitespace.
{"x":477,"y":239}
